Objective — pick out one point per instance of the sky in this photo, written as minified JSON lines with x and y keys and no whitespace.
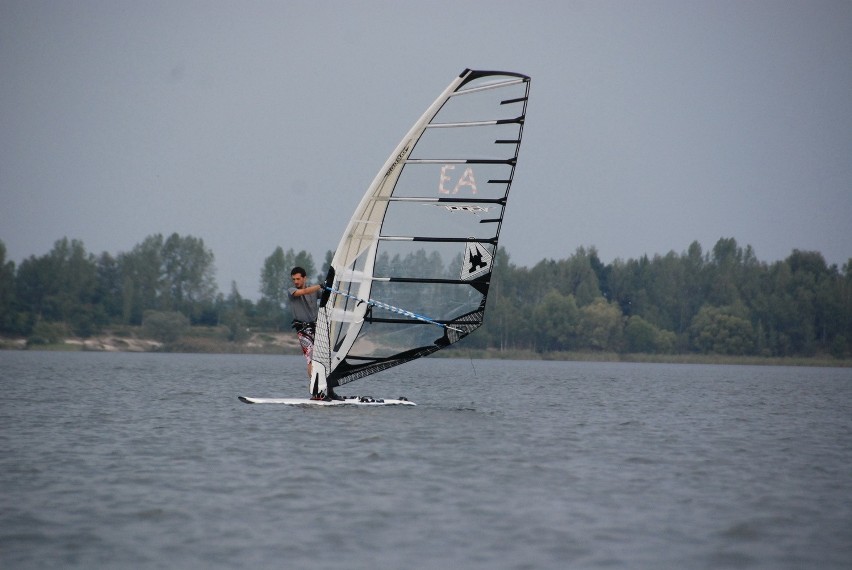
{"x":258,"y":124}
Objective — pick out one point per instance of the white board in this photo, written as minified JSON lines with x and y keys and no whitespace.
{"x":350,"y":401}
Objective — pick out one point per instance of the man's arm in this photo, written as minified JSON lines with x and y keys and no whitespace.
{"x":311,"y":290}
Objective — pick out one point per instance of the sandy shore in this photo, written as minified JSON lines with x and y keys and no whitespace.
{"x":281,"y":343}
{"x":114,"y":344}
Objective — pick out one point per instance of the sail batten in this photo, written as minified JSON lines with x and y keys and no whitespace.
{"x":435,"y":239}
{"x":424,"y":199}
{"x":461,"y":160}
{"x":462,"y":125}
{"x":411,"y":273}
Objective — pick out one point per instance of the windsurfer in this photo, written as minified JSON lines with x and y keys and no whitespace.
{"x":303,"y":304}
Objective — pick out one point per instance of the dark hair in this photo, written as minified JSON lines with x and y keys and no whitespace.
{"x":300,"y":270}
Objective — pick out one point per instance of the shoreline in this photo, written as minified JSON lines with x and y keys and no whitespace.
{"x":212,"y":341}
{"x":202,"y":340}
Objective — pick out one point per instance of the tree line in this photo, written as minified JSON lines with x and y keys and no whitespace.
{"x":724,"y":301}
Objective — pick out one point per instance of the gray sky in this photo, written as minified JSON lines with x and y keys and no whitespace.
{"x":257,"y":124}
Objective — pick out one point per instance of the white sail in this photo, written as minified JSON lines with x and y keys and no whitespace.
{"x":411,"y":272}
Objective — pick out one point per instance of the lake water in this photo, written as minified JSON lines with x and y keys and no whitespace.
{"x":150,"y":461}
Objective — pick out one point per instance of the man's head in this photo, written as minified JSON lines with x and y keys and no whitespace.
{"x":298,"y":276}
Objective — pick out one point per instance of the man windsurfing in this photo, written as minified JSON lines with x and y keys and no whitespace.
{"x":303,"y":304}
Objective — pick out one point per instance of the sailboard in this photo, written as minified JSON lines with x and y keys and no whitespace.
{"x":348,"y":401}
{"x":411,"y":272}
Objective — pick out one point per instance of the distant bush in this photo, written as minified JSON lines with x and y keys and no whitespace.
{"x":47,"y":333}
{"x":199,"y":345}
{"x":164,"y":326}
{"x":838,"y":347}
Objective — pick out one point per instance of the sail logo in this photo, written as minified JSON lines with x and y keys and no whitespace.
{"x":477,"y":261}
{"x":399,"y":158}
{"x":469,"y":208}
{"x":466,"y":180}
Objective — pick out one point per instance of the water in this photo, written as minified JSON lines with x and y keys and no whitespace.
{"x":149,"y":461}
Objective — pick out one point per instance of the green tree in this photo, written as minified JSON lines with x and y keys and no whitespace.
{"x":60,"y":286}
{"x":642,"y":336}
{"x":504,"y":327}
{"x":844,"y":293}
{"x":509,"y":320}
{"x":189,"y":275}
{"x":629,"y":282}
{"x":274,"y":281}
{"x":47,"y":333}
{"x":574,"y":276}
{"x":165,"y":326}
{"x":175,"y":274}
{"x":600,"y":326}
{"x":724,"y":269}
{"x":275,"y":277}
{"x":694,"y":284}
{"x":580,"y":276}
{"x":141,"y":279}
{"x":557,"y":318}
{"x":108,"y":293}
{"x":8,"y":314}
{"x":721,"y":331}
{"x":235,"y":317}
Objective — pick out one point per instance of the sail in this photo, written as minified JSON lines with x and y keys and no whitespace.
{"x":411,"y":273}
